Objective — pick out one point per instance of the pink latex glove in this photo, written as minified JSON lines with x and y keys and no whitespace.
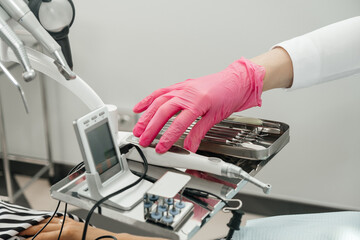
{"x":213,"y":97}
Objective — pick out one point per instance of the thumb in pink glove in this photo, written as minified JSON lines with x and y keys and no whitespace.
{"x":213,"y":97}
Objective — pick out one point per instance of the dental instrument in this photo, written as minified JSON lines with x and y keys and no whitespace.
{"x":16,"y":84}
{"x":240,"y":137}
{"x":56,"y":16}
{"x":8,"y":35}
{"x":181,"y":158}
{"x":21,"y":13}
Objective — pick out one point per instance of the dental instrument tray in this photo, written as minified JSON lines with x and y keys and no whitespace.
{"x":241,"y":137}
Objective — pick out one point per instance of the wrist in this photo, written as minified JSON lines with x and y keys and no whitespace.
{"x":278,"y":66}
{"x":249,"y":78}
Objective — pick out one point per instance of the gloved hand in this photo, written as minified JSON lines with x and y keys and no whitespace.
{"x":213,"y":97}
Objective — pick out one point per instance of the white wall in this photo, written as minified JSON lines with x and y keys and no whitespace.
{"x":127,"y":49}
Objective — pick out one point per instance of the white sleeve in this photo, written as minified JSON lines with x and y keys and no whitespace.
{"x":329,"y":53}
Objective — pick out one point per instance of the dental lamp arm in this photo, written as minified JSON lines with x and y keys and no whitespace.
{"x":20,"y":12}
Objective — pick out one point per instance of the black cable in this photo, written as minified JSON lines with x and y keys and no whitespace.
{"x":196,"y":193}
{"x":234,"y":223}
{"x":63,"y":221}
{"x":106,"y":236}
{"x":74,"y":169}
{"x":147,"y":177}
{"x":65,"y":211}
{"x":117,"y":192}
{"x":77,"y":167}
{"x":212,"y":194}
{"x":57,"y":207}
{"x":230,"y":234}
{"x":197,"y":200}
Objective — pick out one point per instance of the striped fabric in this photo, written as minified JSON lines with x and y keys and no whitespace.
{"x":14,"y":219}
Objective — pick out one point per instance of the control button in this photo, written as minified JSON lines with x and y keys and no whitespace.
{"x":94,"y":117}
{"x":86,"y":122}
{"x":102,"y":113}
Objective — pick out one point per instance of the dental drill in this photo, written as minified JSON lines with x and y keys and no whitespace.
{"x":56,"y":16}
{"x":16,"y":84}
{"x":21,"y":13}
{"x":178,"y":157}
{"x":10,"y":38}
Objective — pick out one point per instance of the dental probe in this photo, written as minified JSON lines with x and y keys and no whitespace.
{"x":178,"y":157}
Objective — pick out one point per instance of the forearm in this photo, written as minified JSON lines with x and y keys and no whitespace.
{"x":326,"y":54}
{"x":278,"y":68}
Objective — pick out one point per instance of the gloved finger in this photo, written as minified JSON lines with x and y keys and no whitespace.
{"x":176,"y":129}
{"x":197,"y":133}
{"x":147,"y":101}
{"x":161,"y":116}
{"x":150,"y":112}
{"x":144,"y":120}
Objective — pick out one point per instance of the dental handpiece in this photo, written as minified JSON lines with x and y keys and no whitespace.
{"x":178,"y":157}
{"x":16,"y":84}
{"x":10,"y":38}
{"x":21,"y":13}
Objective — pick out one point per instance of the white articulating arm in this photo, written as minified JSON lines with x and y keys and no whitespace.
{"x":45,"y":65}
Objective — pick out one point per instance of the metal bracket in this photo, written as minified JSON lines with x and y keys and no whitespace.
{"x":229,"y":209}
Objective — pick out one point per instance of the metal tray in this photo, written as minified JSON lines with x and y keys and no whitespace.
{"x":132,"y":221}
{"x":242,"y":137}
{"x":204,"y":209}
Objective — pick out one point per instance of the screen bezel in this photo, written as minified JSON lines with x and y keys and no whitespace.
{"x":87,"y":123}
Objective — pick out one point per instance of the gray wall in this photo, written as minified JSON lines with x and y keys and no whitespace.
{"x":127,"y":49}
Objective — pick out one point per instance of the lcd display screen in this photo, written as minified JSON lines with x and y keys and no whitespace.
{"x":102,"y":147}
